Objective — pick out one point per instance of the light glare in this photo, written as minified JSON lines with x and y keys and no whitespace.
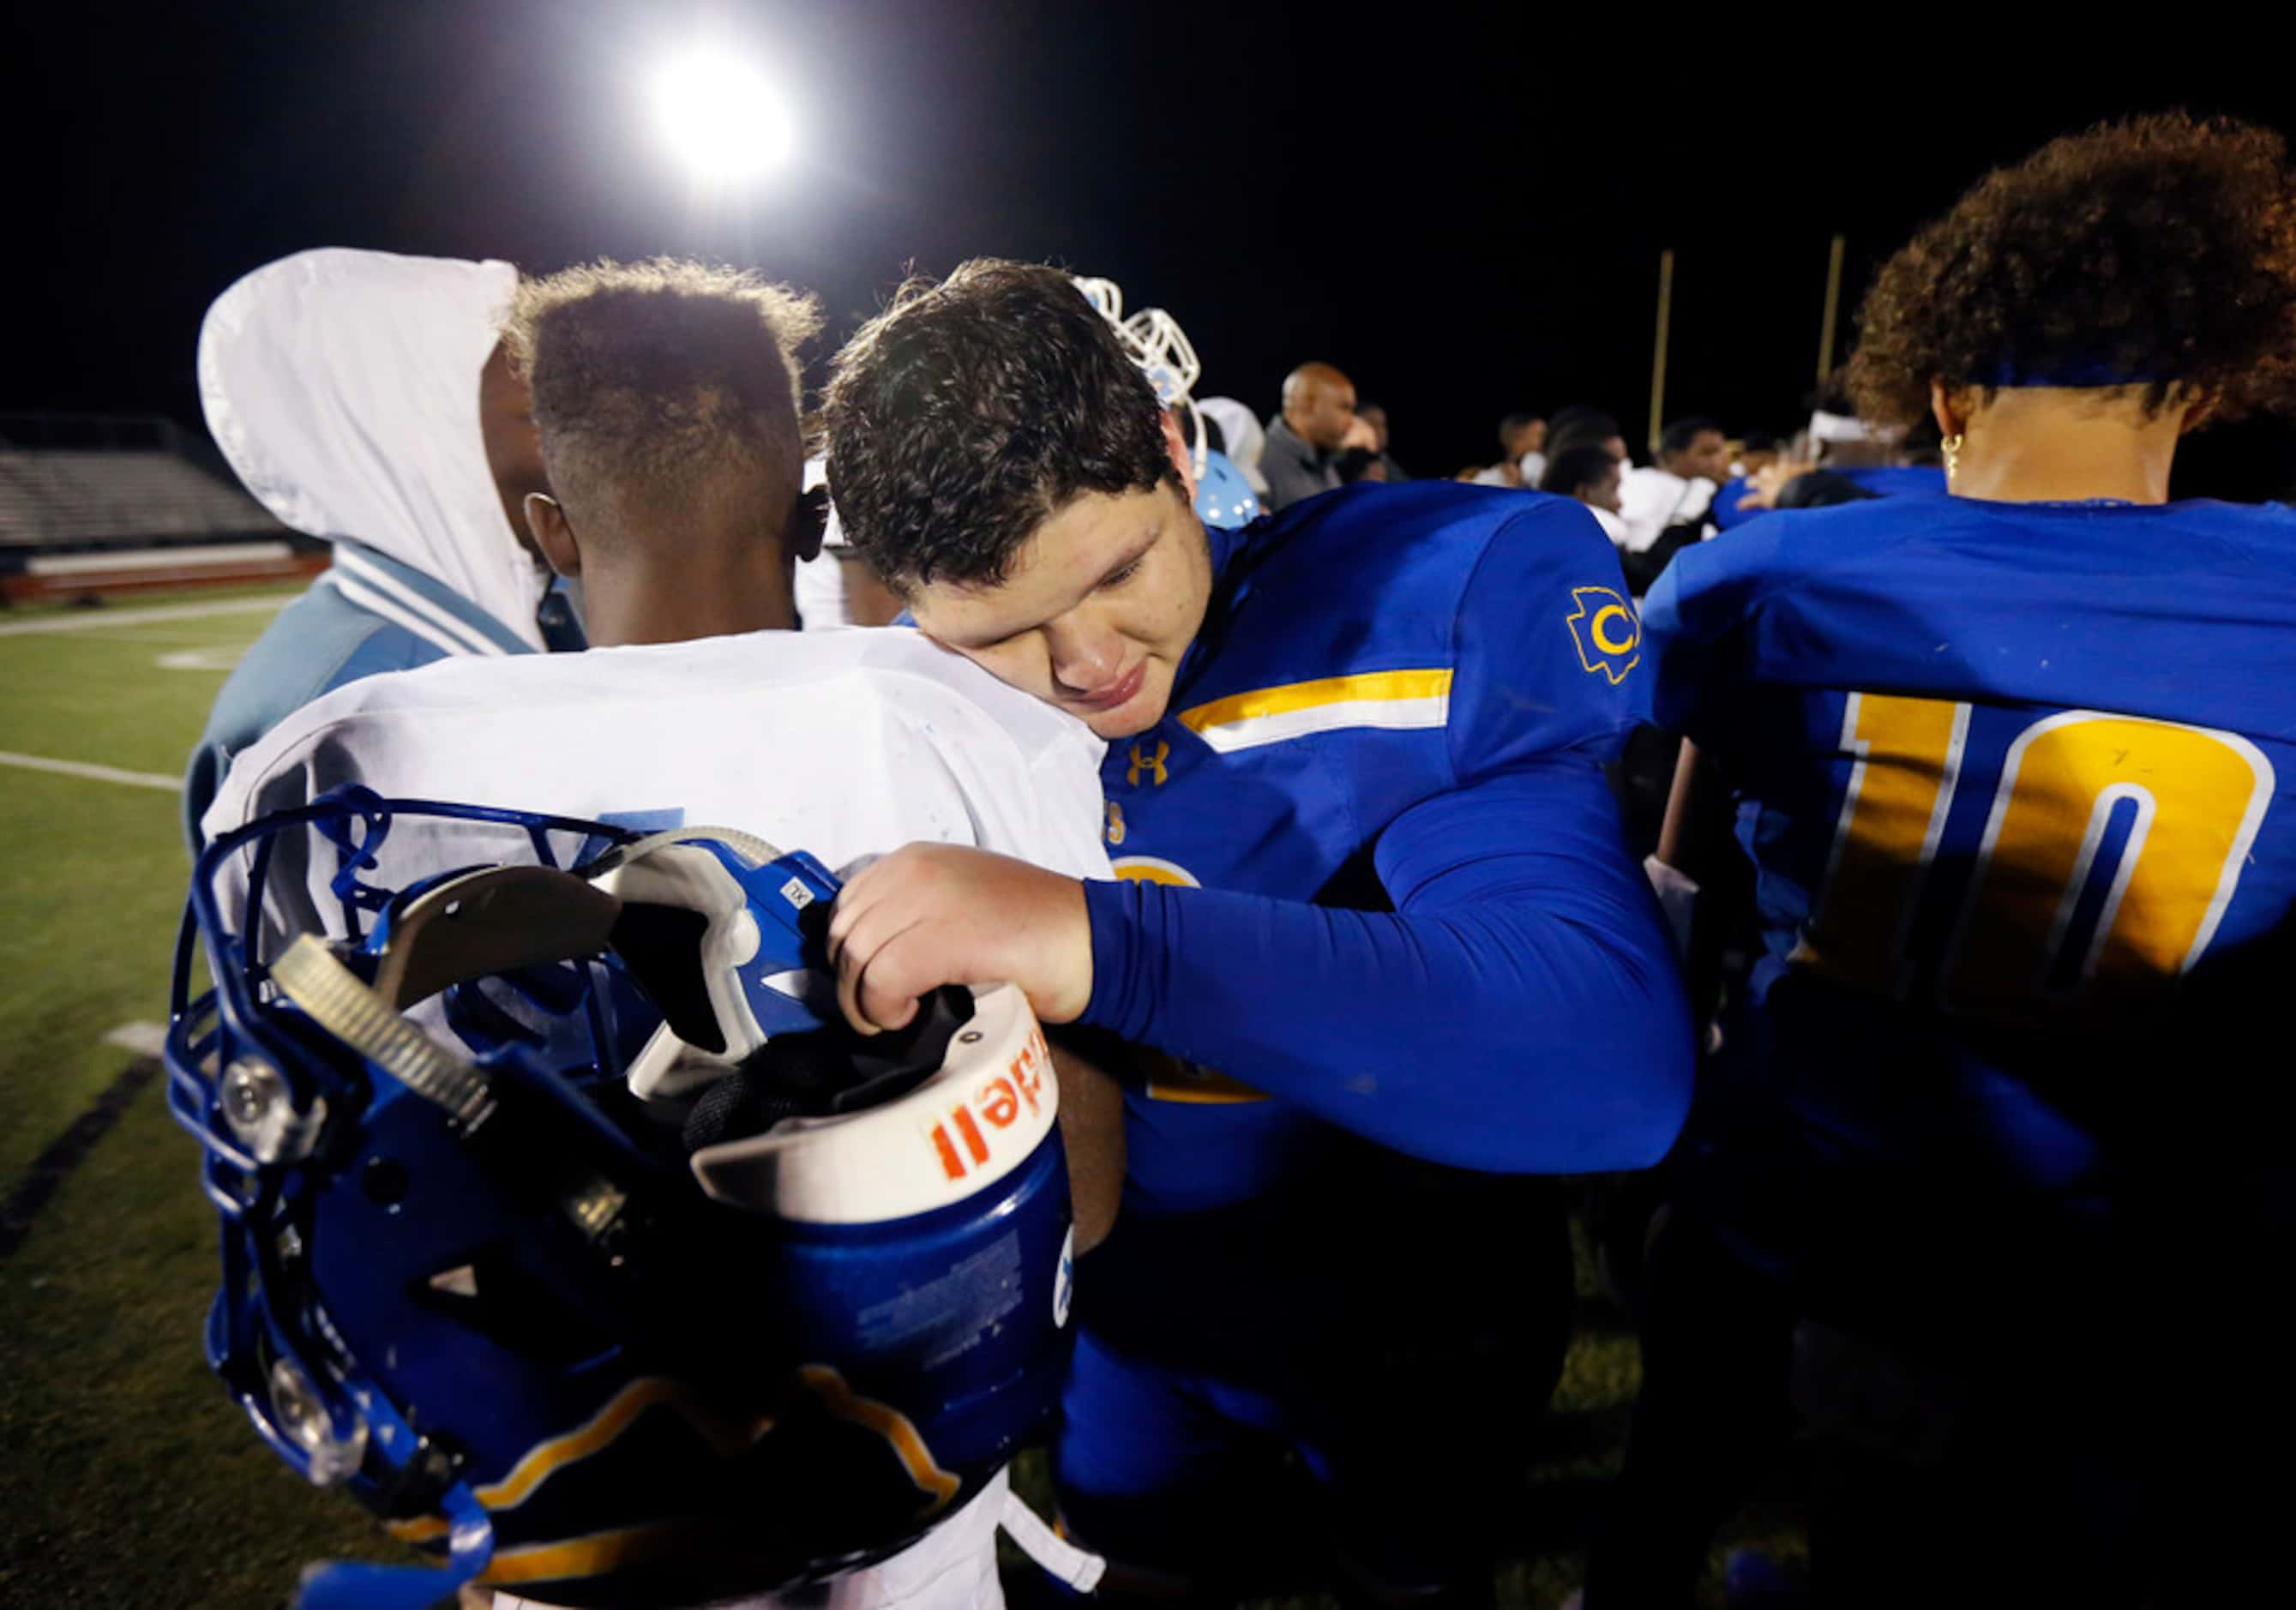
{"x":720,"y":118}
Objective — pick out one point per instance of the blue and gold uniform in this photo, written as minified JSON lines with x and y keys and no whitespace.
{"x":2015,"y":782}
{"x":2010,"y":774}
{"x":1378,"y":922}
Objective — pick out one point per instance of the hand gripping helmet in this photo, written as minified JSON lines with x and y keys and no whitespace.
{"x":562,"y":1228}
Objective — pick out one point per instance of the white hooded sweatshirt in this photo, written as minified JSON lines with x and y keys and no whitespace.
{"x":343,"y":387}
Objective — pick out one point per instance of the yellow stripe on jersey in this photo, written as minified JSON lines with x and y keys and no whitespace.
{"x":1168,"y":1079}
{"x":1207,"y":1090}
{"x":1394,"y":699}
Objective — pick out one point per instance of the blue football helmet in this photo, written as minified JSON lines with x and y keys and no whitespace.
{"x":564,"y":1227}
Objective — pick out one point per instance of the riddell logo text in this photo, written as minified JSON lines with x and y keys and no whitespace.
{"x":961,"y":1140}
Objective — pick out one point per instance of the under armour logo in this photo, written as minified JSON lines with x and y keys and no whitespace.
{"x":1153,"y":765}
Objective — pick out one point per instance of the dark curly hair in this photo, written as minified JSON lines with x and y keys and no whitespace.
{"x":646,"y":376}
{"x":1582,"y":463}
{"x":969,"y":412}
{"x":2161,"y":250}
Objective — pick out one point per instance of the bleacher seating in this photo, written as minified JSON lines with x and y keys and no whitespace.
{"x":94,"y":505}
{"x":71,"y":497}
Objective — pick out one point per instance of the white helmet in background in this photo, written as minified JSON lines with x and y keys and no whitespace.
{"x":1154,"y":340}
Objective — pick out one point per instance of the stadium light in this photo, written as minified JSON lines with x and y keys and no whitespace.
{"x":720,"y":117}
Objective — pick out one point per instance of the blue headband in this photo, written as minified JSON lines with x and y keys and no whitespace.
{"x":2079,"y":373}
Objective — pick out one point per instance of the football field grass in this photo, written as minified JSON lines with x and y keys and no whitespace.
{"x":126,"y":1478}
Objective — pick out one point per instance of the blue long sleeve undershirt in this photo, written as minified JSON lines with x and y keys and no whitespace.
{"x":1519,"y":1011}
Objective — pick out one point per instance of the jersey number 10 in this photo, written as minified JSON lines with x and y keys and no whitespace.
{"x":2110,"y":851}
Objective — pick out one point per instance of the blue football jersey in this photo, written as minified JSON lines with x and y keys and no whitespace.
{"x":1365,"y":652}
{"x":2014,"y":781}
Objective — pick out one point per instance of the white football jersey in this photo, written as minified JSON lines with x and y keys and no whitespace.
{"x":847,"y":744}
{"x":1651,"y":499}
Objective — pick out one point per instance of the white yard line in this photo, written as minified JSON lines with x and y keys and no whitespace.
{"x":100,"y":774}
{"x":144,"y":1039}
{"x":96,"y":620}
{"x":221,"y":657}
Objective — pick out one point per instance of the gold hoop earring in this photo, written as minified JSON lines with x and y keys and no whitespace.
{"x":1951,"y":448}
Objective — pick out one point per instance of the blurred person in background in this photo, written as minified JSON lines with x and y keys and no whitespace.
{"x":1521,"y":461}
{"x":1663,"y":505}
{"x":1530,"y":451}
{"x":1587,"y":472}
{"x":1375,"y":415}
{"x":1304,"y":441}
{"x":366,"y":398}
{"x":1580,"y":423}
{"x":1693,"y":460}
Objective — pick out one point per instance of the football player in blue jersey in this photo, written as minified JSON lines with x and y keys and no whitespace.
{"x":2012,"y":768}
{"x":1373,"y":923}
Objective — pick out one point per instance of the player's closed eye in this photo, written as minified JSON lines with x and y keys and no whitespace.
{"x":1118,"y":577}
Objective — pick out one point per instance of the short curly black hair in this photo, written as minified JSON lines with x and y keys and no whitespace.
{"x":969,"y":412}
{"x":2159,"y":251}
{"x":646,"y":376}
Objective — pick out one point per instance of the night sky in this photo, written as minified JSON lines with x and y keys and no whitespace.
{"x":1462,"y":207}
